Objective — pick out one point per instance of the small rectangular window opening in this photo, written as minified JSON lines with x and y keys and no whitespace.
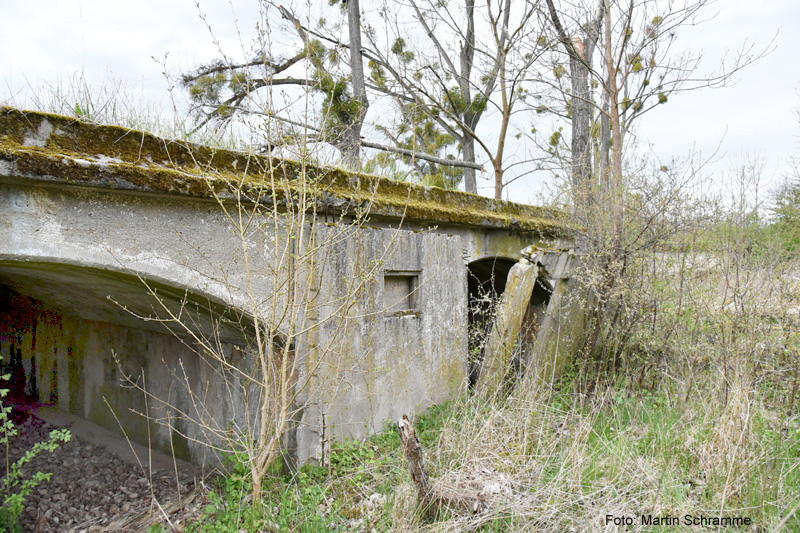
{"x":401,"y":293}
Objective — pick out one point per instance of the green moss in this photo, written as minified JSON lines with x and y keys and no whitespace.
{"x":119,"y":408}
{"x":79,"y":153}
{"x":180,"y":444}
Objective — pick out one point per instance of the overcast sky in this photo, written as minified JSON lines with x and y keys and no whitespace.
{"x":44,"y":41}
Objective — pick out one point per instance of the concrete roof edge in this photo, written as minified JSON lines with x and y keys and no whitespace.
{"x":59,"y":149}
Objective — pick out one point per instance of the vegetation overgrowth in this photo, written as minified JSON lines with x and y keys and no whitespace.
{"x":19,"y":481}
{"x":692,"y":415}
{"x":693,"y":411}
{"x":697,"y":420}
{"x":686,"y":407}
{"x":666,"y":444}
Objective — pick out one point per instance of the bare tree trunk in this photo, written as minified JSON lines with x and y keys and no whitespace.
{"x":468,"y":149}
{"x":614,"y":186}
{"x":467,"y":58}
{"x":605,"y":138}
{"x":610,"y":260}
{"x":616,"y":133}
{"x":580,"y":53}
{"x":581,"y":119}
{"x":498,"y":158}
{"x":505,"y":108}
{"x":351,"y":144}
{"x":498,"y":179}
{"x":603,"y":215}
{"x":475,"y":497}
{"x":416,"y":462}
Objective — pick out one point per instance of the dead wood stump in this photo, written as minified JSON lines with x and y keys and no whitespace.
{"x":470,"y":496}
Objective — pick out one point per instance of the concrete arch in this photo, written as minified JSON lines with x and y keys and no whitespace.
{"x":68,"y":344}
{"x":186,"y":244}
{"x":121,"y":297}
{"x":486,"y":282}
{"x":487,"y":279}
{"x":487,"y":276}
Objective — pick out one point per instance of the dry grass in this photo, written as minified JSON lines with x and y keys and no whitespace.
{"x":700,"y":424}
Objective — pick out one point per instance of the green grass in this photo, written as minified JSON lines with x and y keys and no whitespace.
{"x":323,"y":498}
{"x":571,"y":462}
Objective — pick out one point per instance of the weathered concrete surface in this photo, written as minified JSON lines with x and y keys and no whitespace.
{"x":60,"y":149}
{"x":80,"y":366}
{"x":562,"y":330}
{"x":90,"y":212}
{"x":388,"y":364}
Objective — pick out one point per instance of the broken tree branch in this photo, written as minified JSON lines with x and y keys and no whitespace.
{"x":472,"y":495}
{"x":416,"y":463}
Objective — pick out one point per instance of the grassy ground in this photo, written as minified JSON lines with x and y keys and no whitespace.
{"x":698,"y":421}
{"x":569,"y":461}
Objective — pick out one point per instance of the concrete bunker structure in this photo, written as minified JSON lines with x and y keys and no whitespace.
{"x":108,"y":233}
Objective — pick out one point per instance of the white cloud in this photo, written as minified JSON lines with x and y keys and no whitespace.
{"x":44,"y":41}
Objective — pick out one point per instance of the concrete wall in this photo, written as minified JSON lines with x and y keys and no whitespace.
{"x":372,"y":364}
{"x":383,"y":358}
{"x":112,"y":231}
{"x":361,"y":365}
{"x":113,"y":375}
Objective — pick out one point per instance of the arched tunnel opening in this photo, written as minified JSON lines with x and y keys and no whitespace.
{"x":99,"y":345}
{"x":486,"y":285}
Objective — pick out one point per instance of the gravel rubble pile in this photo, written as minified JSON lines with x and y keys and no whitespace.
{"x":91,"y":488}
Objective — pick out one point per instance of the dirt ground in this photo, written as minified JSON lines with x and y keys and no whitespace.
{"x":100,"y":481}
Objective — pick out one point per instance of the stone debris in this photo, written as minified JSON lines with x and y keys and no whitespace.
{"x":90,"y":487}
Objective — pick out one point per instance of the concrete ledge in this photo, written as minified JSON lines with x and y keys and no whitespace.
{"x":65,"y":151}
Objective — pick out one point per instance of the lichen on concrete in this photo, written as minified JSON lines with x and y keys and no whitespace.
{"x":66,"y":150}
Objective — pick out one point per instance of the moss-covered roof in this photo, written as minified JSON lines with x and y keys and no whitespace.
{"x":61,"y":149}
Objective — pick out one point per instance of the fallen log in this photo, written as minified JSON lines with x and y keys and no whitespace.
{"x":416,"y":463}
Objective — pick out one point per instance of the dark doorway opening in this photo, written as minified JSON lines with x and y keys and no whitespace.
{"x":486,"y":284}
